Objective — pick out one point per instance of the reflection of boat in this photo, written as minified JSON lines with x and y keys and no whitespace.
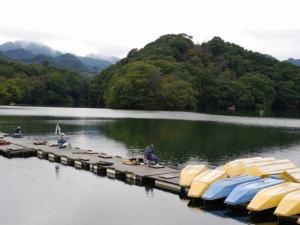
{"x":202,"y":182}
{"x":189,"y":172}
{"x":289,"y":205}
{"x":222,"y":188}
{"x":245,"y":192}
{"x":270,"y":197}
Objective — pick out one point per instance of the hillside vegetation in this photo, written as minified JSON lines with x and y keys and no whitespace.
{"x":173,"y":73}
{"x":41,"y":85}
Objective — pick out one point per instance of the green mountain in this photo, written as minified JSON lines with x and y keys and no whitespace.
{"x":41,"y":85}
{"x":294,"y":61}
{"x":19,"y":54}
{"x":32,"y":47}
{"x":173,"y":73}
{"x":30,"y":52}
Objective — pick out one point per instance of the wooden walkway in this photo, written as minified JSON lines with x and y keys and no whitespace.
{"x":165,"y":178}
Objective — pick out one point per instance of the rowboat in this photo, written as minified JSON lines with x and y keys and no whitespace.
{"x":222,"y":188}
{"x":272,"y":168}
{"x":245,"y":192}
{"x":270,"y":197}
{"x":289,"y":205}
{"x":189,"y":172}
{"x":202,"y":182}
{"x":238,"y":168}
{"x":292,"y":175}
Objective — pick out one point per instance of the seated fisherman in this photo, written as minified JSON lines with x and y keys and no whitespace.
{"x":62,"y":140}
{"x":149,"y":156}
{"x":17,"y":133}
{"x":17,"y":130}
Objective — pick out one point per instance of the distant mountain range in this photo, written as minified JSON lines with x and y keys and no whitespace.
{"x":30,"y":52}
{"x":294,"y":61}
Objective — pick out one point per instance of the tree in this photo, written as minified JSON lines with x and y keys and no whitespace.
{"x":177,"y":94}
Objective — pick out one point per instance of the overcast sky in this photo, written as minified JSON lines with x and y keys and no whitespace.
{"x":113,"y":27}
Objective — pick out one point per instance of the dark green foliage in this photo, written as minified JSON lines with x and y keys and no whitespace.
{"x":174,"y":73}
{"x":41,"y":85}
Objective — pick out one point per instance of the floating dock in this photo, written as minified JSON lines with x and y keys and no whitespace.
{"x":162,"y":177}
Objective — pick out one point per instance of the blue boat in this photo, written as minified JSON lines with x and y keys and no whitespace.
{"x":245,"y":192}
{"x":221,"y":189}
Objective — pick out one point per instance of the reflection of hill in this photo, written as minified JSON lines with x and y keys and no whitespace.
{"x":178,"y":141}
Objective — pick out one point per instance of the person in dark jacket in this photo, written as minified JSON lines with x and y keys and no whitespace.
{"x":17,"y":130}
{"x":149,"y":156}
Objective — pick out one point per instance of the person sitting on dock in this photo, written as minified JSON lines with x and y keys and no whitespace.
{"x":62,"y":141}
{"x":17,"y":132}
{"x":149,"y":156}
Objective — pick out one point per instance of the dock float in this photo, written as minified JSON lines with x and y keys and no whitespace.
{"x":162,"y":177}
{"x":156,"y":176}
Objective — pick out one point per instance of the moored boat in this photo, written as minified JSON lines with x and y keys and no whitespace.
{"x":245,"y":192}
{"x":270,"y":197}
{"x":242,"y":166}
{"x":289,"y":205}
{"x":222,"y":188}
{"x":189,"y":172}
{"x":292,"y":175}
{"x":233,"y":166}
{"x":272,"y":168}
{"x":202,"y":182}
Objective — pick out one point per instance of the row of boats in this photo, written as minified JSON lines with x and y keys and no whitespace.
{"x":257,"y":183}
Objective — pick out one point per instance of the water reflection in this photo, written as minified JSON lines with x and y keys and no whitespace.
{"x":57,"y":170}
{"x":177,"y":142}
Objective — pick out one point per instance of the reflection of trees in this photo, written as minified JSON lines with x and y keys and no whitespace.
{"x":177,"y":141}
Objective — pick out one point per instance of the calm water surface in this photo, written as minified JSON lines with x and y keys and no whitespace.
{"x":34,"y":192}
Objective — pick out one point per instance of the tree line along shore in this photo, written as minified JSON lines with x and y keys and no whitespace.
{"x":171,"y":73}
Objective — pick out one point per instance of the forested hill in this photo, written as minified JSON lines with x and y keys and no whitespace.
{"x":173,"y":73}
{"x":41,"y":85}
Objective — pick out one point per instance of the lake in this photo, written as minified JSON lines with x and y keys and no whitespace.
{"x":37,"y":193}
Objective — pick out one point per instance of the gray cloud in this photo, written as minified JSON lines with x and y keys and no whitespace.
{"x":99,"y":48}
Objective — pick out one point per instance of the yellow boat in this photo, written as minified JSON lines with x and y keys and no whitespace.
{"x":252,"y":165}
{"x":269,"y":198}
{"x":289,"y":205}
{"x":292,"y":175}
{"x":189,"y":172}
{"x":273,"y":168}
{"x":240,"y":167}
{"x":202,"y":182}
{"x":235,"y":165}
